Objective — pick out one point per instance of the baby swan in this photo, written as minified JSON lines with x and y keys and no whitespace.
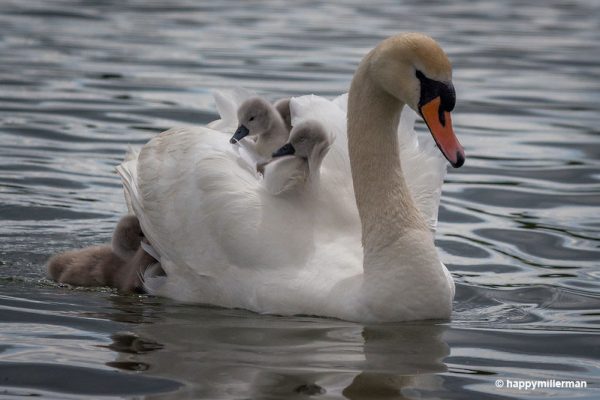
{"x":298,"y":162}
{"x":283,"y":108}
{"x":260,"y":119}
{"x":118,"y":265}
{"x":127,"y":237}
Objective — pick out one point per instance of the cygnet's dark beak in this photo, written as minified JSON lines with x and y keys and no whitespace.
{"x":285,"y":150}
{"x":241,"y":133}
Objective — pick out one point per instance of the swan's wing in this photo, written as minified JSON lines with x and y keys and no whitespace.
{"x":189,"y":171}
{"x":423,"y":166}
{"x":318,"y":108}
{"x":247,"y":151}
{"x":285,"y":174}
{"x":228,"y":102}
{"x":227,"y":110}
{"x":342,"y":102}
{"x":204,"y":212}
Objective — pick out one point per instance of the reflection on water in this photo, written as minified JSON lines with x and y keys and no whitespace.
{"x":224,"y":354}
{"x":519,"y":224}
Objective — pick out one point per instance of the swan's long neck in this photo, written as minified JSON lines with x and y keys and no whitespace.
{"x":385,"y":206}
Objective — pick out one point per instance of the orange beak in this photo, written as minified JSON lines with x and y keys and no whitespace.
{"x":440,"y":126}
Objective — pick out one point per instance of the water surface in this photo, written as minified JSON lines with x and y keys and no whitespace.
{"x":519,"y":223}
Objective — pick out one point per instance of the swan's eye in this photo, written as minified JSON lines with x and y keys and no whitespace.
{"x":430,"y":89}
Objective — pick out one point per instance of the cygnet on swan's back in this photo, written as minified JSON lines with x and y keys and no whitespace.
{"x":298,"y":161}
{"x":118,"y":265}
{"x":260,"y":119}
{"x":283,"y":108}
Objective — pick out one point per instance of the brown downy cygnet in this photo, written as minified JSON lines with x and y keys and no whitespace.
{"x":118,"y":265}
{"x":298,"y":161}
{"x":127,"y":237}
{"x":260,"y":119}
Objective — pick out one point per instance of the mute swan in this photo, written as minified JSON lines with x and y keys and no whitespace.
{"x":298,"y":161}
{"x":117,"y":265}
{"x":258,"y":118}
{"x":223,"y":240}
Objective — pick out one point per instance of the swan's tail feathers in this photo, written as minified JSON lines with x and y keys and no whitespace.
{"x":129,"y":177}
{"x":153,"y":278}
{"x":150,"y":250}
{"x":228,"y":102}
{"x":127,"y":173}
{"x":132,"y":154}
{"x":128,"y":170}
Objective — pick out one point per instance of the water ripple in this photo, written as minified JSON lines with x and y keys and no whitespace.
{"x":519,"y":224}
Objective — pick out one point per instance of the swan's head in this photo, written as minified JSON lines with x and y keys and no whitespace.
{"x":255,"y":118}
{"x":308,"y":140}
{"x":414,"y":69}
{"x":127,"y":236}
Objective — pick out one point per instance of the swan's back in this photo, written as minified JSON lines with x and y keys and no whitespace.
{"x":223,"y":239}
{"x":423,"y":166}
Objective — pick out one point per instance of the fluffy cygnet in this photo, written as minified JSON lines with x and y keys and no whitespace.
{"x":283,"y":108}
{"x":260,"y":119}
{"x":127,"y":237}
{"x":118,"y":265}
{"x":298,"y":161}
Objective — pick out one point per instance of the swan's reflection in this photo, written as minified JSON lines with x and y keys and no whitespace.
{"x":397,"y":357}
{"x":221,"y":353}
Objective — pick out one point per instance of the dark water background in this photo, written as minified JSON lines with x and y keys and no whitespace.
{"x":519,"y":223}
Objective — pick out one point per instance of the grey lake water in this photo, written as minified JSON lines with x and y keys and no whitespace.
{"x":519,"y":223}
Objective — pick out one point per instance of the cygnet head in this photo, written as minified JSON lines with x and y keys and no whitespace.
{"x":255,"y":117}
{"x":414,"y":69}
{"x":307,"y":140}
{"x":127,"y":237}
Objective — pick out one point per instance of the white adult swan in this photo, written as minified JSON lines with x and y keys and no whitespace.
{"x":224,"y":240}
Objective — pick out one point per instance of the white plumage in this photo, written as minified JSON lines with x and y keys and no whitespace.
{"x":225,"y":240}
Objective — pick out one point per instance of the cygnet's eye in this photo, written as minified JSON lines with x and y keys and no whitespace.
{"x":251,"y":118}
